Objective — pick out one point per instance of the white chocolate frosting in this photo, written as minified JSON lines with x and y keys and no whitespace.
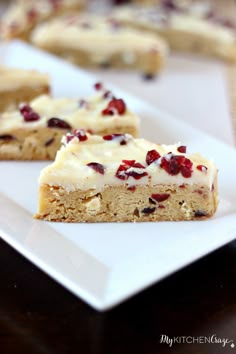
{"x":70,"y":169}
{"x":23,"y":14}
{"x":96,"y":34}
{"x":14,"y":78}
{"x":87,"y":114}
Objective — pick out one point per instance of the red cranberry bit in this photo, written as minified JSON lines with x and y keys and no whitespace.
{"x":152,"y":156}
{"x":182,"y":186}
{"x":98,"y":86}
{"x":58,"y":123}
{"x":202,"y":168}
{"x":131,"y":188}
{"x":49,"y":142}
{"x":7,"y":137}
{"x":31,"y":117}
{"x":121,"y":171}
{"x":212,"y":188}
{"x":160,"y":197}
{"x":28,"y":113}
{"x":200,"y":213}
{"x":160,"y":206}
{"x":151,"y":201}
{"x":148,"y":210}
{"x":124,"y":173}
{"x":80,"y":134}
{"x":135,"y":174}
{"x":177,"y":164}
{"x":129,"y":163}
{"x":108,"y":94}
{"x":182,"y":149}
{"x":115,"y":106}
{"x":171,"y":165}
{"x":97,"y":167}
{"x":122,"y":138}
{"x":24,"y":109}
{"x":198,"y":191}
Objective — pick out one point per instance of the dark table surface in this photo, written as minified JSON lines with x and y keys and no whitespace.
{"x":39,"y":316}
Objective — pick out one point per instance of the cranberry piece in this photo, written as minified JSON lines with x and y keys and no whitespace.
{"x":160,"y":197}
{"x":115,"y":106}
{"x":49,"y":142}
{"x":98,"y":86}
{"x":151,"y":201}
{"x":148,"y":210}
{"x":171,"y":165}
{"x":122,"y":138}
{"x":124,"y":173}
{"x":97,"y":167}
{"x":121,"y":171}
{"x":182,"y":149}
{"x":131,"y":188}
{"x":58,"y":123}
{"x":7,"y":137}
{"x":202,"y":168}
{"x":177,"y":164}
{"x":136,"y":175}
{"x":161,"y":206}
{"x":80,"y":134}
{"x":31,"y":117}
{"x":200,"y":213}
{"x":152,"y":155}
{"x":129,"y":163}
{"x":28,"y":113}
{"x":24,"y":109}
{"x":108,"y":94}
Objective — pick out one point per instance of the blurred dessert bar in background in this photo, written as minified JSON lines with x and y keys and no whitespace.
{"x":90,"y":40}
{"x":19,"y":85}
{"x":187,"y":26}
{"x":23,"y":15}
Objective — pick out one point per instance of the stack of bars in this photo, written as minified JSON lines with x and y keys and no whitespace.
{"x":103,"y":172}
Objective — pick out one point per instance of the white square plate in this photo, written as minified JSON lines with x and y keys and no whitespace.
{"x":105,"y":264}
